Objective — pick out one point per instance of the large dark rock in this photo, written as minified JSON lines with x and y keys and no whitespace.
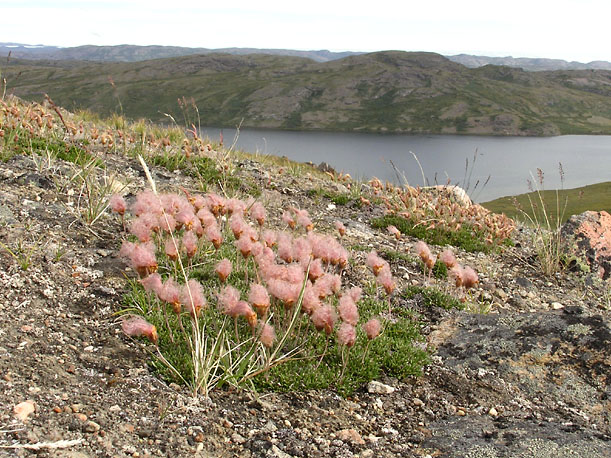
{"x":588,"y":237}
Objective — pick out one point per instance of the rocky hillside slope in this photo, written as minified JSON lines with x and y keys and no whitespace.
{"x":387,"y":91}
{"x":522,"y":371}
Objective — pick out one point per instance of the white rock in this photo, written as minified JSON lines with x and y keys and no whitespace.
{"x":379,"y":388}
{"x":557,"y":305}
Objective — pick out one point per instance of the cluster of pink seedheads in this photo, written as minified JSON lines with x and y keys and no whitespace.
{"x":296,"y":267}
{"x":464,"y":277}
{"x":442,"y":208}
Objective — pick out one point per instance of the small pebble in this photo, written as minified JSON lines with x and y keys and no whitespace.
{"x":493,"y":412}
{"x":92,"y":427}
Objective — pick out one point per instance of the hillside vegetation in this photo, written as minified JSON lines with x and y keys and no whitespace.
{"x":559,"y":205}
{"x":378,"y":92}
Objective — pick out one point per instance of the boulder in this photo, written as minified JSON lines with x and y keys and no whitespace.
{"x":588,"y":237}
{"x":453,"y":192}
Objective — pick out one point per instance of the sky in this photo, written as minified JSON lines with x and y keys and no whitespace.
{"x":560,"y":29}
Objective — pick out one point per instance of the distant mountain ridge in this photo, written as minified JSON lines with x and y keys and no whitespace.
{"x":133,"y":53}
{"x":528,"y":64}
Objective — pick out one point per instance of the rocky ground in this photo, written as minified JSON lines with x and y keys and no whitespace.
{"x":529,"y":378}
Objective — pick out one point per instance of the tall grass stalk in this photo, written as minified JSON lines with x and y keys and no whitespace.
{"x":547,"y":239}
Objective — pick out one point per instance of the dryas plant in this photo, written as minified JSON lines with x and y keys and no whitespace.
{"x":441,"y":215}
{"x":226,"y":300}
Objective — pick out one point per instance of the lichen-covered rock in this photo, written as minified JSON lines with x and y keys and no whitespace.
{"x":588,"y":237}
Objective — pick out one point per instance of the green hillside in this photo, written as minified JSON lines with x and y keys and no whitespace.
{"x":381,"y":92}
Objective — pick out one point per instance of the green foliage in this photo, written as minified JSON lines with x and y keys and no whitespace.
{"x":440,"y":270}
{"x":337,"y":198}
{"x":396,"y":256}
{"x":433,"y":297}
{"x":466,"y":238}
{"x":393,"y":352}
{"x":203,"y":169}
{"x":54,"y":147}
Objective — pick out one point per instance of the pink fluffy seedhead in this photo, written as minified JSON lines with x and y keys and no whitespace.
{"x":447,"y":257}
{"x":117,"y":204}
{"x":152,"y":283}
{"x":126,"y":250}
{"x":213,"y":234}
{"x":170,"y":293}
{"x":311,"y":301}
{"x":385,"y":280}
{"x":302,"y":250}
{"x":457,"y":275}
{"x":285,"y":247}
{"x":258,"y":213}
{"x":235,"y":206}
{"x":422,"y":250}
{"x":147,"y":202}
{"x":470,"y":278}
{"x":142,"y":259}
{"x":223,"y":269}
{"x":170,"y":249}
{"x":327,"y":284}
{"x":186,"y":218}
{"x":228,"y":299}
{"x":268,"y":335}
{"x":287,"y":217}
{"x":192,"y":297}
{"x":348,"y":310}
{"x":284,"y":291}
{"x":375,"y":262}
{"x":269,"y":238}
{"x":215,"y":203}
{"x":141,"y":229}
{"x":198,"y":201}
{"x":237,"y":225}
{"x":137,"y":326}
{"x":303,"y":219}
{"x":245,"y":245}
{"x":346,"y":335}
{"x":316,"y":269}
{"x":206,"y":217}
{"x":340,"y":228}
{"x":355,"y":293}
{"x":394,"y":232}
{"x":324,"y":318}
{"x":167,"y":223}
{"x":259,"y":298}
{"x":243,"y":308}
{"x":372,"y":328}
{"x":189,"y":243}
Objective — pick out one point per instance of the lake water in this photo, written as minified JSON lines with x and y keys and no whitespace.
{"x":509,"y":161}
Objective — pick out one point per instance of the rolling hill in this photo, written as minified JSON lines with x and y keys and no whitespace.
{"x":388,"y":91}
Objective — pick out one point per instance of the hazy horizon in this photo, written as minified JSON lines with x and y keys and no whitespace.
{"x":14,"y":44}
{"x":558,"y":29}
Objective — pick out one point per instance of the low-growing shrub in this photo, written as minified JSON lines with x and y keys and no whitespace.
{"x":433,"y":297}
{"x":227,"y":301}
{"x":465,"y":237}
